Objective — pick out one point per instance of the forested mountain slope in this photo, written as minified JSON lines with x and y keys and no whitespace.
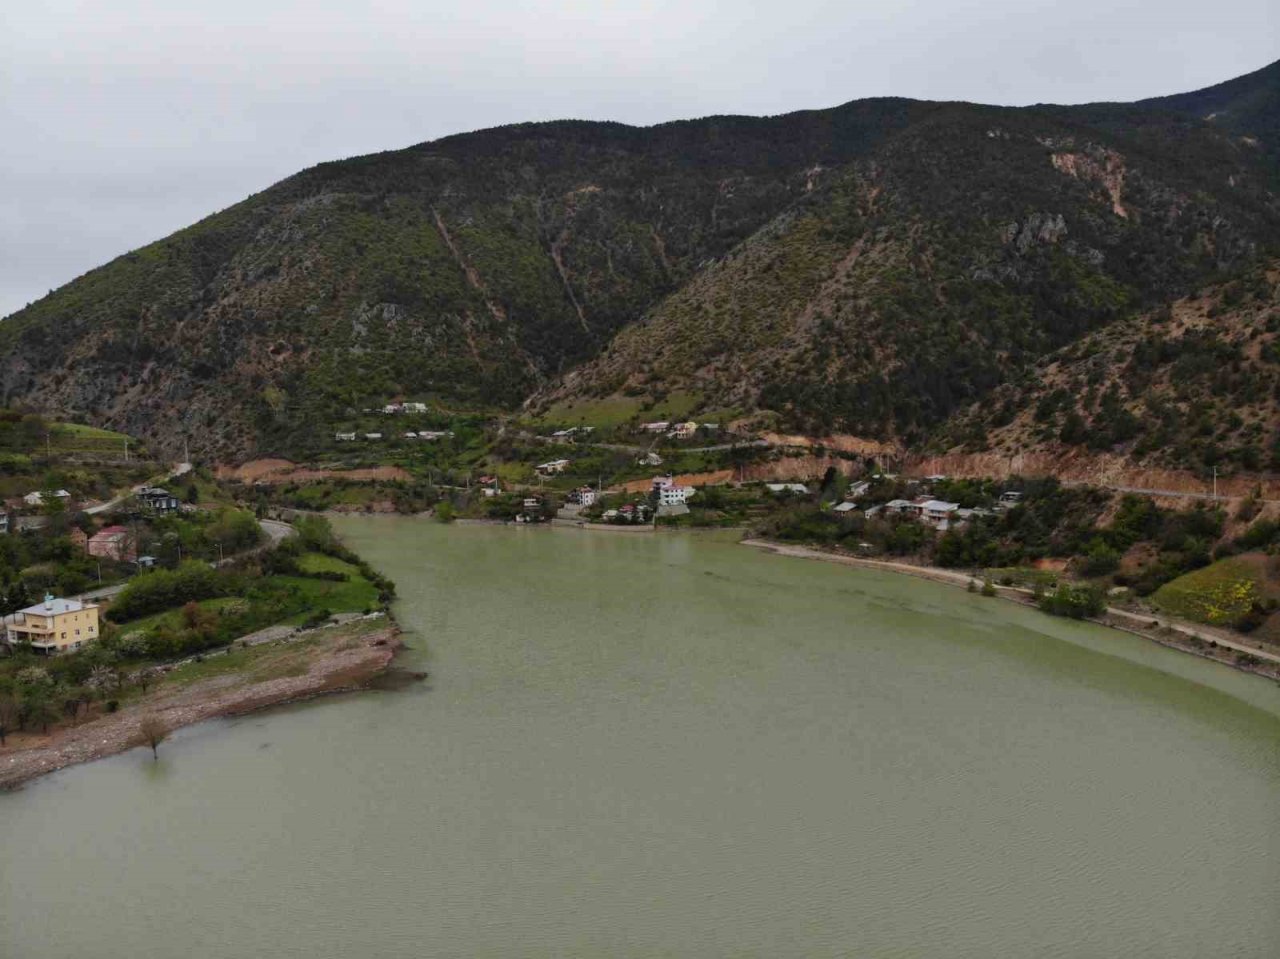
{"x":966,"y":246}
{"x":872,"y":267}
{"x":1190,"y":385}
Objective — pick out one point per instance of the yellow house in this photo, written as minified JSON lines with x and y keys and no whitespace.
{"x":55,"y":626}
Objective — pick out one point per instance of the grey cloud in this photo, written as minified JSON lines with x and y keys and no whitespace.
{"x":127,"y":120}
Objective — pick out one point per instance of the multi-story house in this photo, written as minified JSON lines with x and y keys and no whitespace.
{"x":55,"y":625}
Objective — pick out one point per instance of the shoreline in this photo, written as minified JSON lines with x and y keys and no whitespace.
{"x":349,"y":659}
{"x":1201,"y":641}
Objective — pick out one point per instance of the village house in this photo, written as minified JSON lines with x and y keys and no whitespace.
{"x":530,"y":510}
{"x":391,"y":408}
{"x":658,"y":426}
{"x":489,"y":485}
{"x":4,"y":522}
{"x":1010,"y":498}
{"x":938,"y":514}
{"x":670,"y":493}
{"x":434,"y":435}
{"x":156,"y":499}
{"x":582,"y":496}
{"x":373,"y":436}
{"x":552,"y":467}
{"x":846,"y":507}
{"x":113,"y":542}
{"x":682,"y":431}
{"x":650,"y":459}
{"x":344,"y":437}
{"x":797,"y":488}
{"x":675,"y":495}
{"x":857,"y":489}
{"x":55,"y":626}
{"x":633,"y":513}
{"x":36,"y":498}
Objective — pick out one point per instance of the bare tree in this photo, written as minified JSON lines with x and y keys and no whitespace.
{"x":154,"y":731}
{"x":144,"y":676}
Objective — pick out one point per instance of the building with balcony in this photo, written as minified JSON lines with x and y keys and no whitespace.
{"x":55,"y":625}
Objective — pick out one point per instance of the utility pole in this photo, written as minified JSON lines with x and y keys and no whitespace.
{"x":186,"y":452}
{"x":126,"y":449}
{"x":1215,"y":482}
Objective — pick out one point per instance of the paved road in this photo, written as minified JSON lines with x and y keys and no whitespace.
{"x":1160,"y":492}
{"x":1140,"y":621}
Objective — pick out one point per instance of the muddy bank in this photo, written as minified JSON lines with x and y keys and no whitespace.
{"x":333,"y":660}
{"x":1202,"y":641}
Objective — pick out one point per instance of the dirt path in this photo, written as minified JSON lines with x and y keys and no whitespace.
{"x":343,"y":659}
{"x":1178,"y":634}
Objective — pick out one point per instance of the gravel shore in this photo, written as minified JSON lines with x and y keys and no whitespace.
{"x":343,"y":659}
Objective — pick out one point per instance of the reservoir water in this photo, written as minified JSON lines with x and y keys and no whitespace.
{"x":673,"y":745}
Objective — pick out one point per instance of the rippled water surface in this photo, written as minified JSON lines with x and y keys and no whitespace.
{"x":669,"y":745}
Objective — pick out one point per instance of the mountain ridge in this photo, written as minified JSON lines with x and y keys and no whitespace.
{"x":524,"y":261}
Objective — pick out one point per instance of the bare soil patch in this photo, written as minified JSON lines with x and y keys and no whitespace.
{"x":278,"y":471}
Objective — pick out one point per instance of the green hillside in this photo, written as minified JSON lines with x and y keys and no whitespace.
{"x":871,"y":267}
{"x":1226,"y":593}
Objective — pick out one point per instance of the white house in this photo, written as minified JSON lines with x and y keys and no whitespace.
{"x":650,"y":459}
{"x":582,"y":496}
{"x":673,"y":495}
{"x":938,"y":514}
{"x":858,"y":489}
{"x":373,"y":436}
{"x":413,"y":407}
{"x":434,"y":435}
{"x":552,"y":467}
{"x":846,"y":507}
{"x":1010,"y":498}
{"x":344,"y":437}
{"x":36,"y":498}
{"x":798,"y":488}
{"x":682,"y":431}
{"x":658,"y":426}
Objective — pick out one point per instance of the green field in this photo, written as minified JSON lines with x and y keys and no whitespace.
{"x":355,"y":595}
{"x":1223,"y":593}
{"x":615,"y":410}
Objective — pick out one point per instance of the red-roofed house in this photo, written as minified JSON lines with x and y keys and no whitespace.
{"x":113,"y":542}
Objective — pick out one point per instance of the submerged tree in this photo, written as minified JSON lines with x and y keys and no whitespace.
{"x":154,"y":731}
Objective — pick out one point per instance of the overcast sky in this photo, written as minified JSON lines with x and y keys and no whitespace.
{"x":124,"y":120}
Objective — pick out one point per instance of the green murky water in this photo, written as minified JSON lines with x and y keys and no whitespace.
{"x":676,"y":746}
